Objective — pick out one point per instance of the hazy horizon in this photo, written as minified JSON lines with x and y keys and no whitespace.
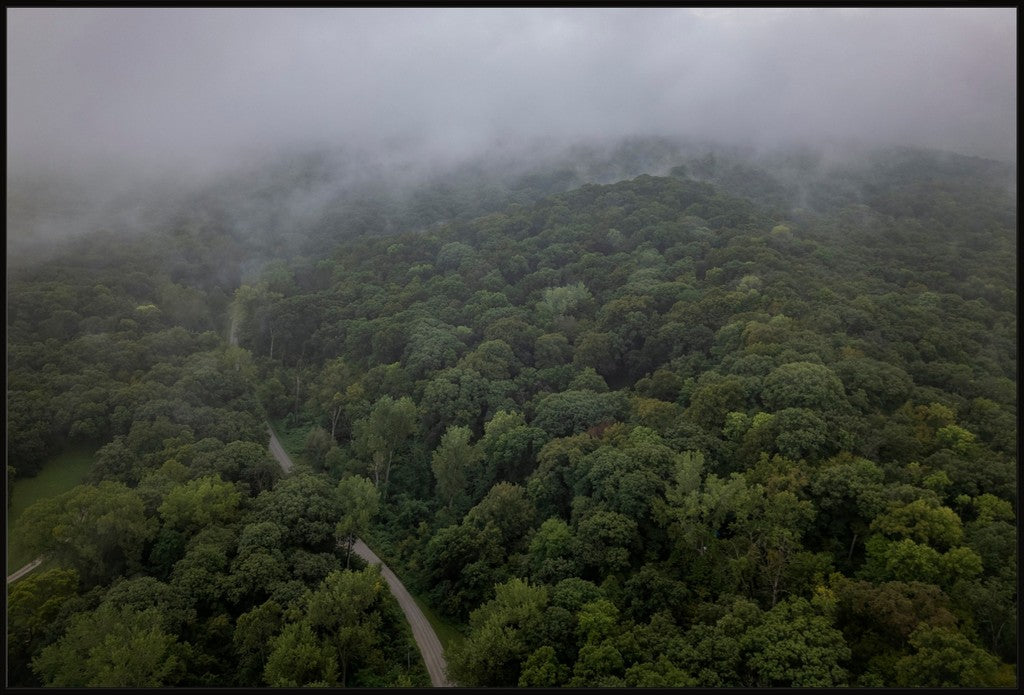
{"x":183,"y":89}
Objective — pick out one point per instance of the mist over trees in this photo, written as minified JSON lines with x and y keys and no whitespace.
{"x":759,"y":406}
{"x":648,"y":347}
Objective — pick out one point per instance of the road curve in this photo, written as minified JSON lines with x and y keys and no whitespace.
{"x":24,"y":570}
{"x":422,"y":632}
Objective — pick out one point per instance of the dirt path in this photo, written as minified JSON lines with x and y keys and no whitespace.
{"x":24,"y":570}
{"x":422,"y":632}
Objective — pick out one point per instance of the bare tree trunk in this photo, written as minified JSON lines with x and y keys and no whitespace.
{"x":335,"y":415}
{"x":387,"y":472}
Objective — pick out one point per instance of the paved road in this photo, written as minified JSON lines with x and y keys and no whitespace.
{"x":422,"y":632}
{"x":278,"y":451}
{"x":24,"y":570}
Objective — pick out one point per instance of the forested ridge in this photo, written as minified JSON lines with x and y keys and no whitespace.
{"x":748,"y":423}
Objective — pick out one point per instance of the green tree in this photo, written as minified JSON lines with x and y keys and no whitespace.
{"x":492,"y":359}
{"x":551,"y":350}
{"x":432,"y":346}
{"x":714,"y":398}
{"x":112,"y":647}
{"x":552,"y":552}
{"x":452,"y":463}
{"x":922,"y":522}
{"x":306,"y":506}
{"x":200,"y":503}
{"x":297,"y":658}
{"x":381,"y":434}
{"x":795,"y":647}
{"x":507,"y":508}
{"x":243,"y":460}
{"x":570,"y":412}
{"x":713,"y":650}
{"x":319,"y":443}
{"x":510,"y":448}
{"x":330,"y":391}
{"x":605,"y":540}
{"x":256,"y":573}
{"x":253,"y":638}
{"x":359,"y":500}
{"x":499,"y":639}
{"x":599,"y":351}
{"x":98,"y":530}
{"x":848,"y":493}
{"x":202,"y":573}
{"x":944,"y":658}
{"x":542,"y":670}
{"x":463,"y":563}
{"x":803,"y":385}
{"x":462,"y":396}
{"x":564,"y":301}
{"x":345,"y":609}
{"x":33,"y":606}
{"x":141,"y":593}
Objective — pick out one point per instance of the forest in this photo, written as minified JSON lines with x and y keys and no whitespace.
{"x":658,"y":415}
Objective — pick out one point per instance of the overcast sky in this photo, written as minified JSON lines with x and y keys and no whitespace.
{"x":197,"y":86}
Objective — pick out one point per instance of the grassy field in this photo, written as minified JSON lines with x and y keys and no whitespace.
{"x":61,"y":473}
{"x":292,"y":439}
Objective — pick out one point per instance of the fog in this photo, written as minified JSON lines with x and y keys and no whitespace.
{"x":178,"y":96}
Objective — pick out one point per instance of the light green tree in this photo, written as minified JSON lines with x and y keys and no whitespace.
{"x":345,"y":608}
{"x":200,"y":503}
{"x":359,"y":501}
{"x":112,"y":647}
{"x":298,"y":659}
{"x":453,"y":462}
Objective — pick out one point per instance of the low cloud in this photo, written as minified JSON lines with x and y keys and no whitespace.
{"x":179,"y":88}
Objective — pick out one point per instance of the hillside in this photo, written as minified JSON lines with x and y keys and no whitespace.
{"x":662,"y":415}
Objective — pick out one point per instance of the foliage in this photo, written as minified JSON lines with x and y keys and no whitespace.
{"x":113,"y":647}
{"x":667,"y":431}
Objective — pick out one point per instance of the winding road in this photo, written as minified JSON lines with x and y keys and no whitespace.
{"x":426,"y":639}
{"x":422,"y":632}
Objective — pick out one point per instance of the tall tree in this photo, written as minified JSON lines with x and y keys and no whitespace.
{"x":345,"y":609}
{"x":359,"y":500}
{"x":453,"y":462}
{"x":383,"y":432}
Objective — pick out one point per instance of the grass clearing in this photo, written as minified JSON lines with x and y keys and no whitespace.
{"x":58,"y":475}
{"x":448,"y":634}
{"x":293,"y":439}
